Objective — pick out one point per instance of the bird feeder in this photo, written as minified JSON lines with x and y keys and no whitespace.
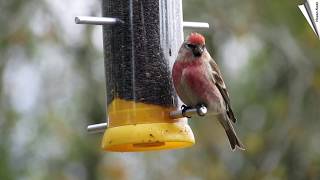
{"x":141,"y":41}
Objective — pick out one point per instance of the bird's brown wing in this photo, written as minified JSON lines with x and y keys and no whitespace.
{"x":217,"y":78}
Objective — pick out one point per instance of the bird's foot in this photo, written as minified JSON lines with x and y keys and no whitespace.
{"x":184,"y":108}
{"x":201,"y":109}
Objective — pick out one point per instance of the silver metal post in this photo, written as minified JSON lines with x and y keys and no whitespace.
{"x":188,"y":113}
{"x":202,"y":25}
{"x":96,"y":20}
{"x":97,"y":128}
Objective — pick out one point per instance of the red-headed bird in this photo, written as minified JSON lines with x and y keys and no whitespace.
{"x":198,"y":82}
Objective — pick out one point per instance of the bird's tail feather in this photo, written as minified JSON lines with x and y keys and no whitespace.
{"x":232,"y":136}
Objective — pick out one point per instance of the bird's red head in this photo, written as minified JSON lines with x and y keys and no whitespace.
{"x":196,"y":38}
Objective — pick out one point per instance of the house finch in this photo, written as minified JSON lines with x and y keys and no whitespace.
{"x":198,"y":82}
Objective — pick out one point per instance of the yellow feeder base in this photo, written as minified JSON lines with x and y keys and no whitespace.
{"x":147,"y":137}
{"x":144,"y":127}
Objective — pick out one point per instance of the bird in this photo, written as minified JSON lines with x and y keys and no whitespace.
{"x":198,"y":82}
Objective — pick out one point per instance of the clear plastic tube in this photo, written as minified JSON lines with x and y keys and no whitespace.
{"x":139,"y":55}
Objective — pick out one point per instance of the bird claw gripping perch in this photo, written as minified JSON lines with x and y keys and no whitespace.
{"x":184,"y":109}
{"x":187,"y":111}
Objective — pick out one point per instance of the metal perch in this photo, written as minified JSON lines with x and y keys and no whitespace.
{"x":110,"y":21}
{"x":189,"y":113}
{"x":99,"y":128}
{"x":203,"y":25}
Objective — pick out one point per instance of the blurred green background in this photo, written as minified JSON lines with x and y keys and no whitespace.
{"x":53,"y":85}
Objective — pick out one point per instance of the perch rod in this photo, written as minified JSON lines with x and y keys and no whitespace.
{"x":109,"y":21}
{"x":99,"y":128}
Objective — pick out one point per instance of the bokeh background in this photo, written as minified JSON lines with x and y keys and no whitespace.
{"x":52,"y":85}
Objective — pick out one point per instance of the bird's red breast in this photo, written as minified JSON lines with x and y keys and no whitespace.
{"x":179,"y":66}
{"x":196,"y":79}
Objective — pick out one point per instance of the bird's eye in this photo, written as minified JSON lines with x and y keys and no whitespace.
{"x":190,"y":46}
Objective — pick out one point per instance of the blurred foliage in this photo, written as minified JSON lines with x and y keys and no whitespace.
{"x":52,"y":86}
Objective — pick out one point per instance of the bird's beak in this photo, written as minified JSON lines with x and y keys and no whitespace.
{"x":197,"y":51}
